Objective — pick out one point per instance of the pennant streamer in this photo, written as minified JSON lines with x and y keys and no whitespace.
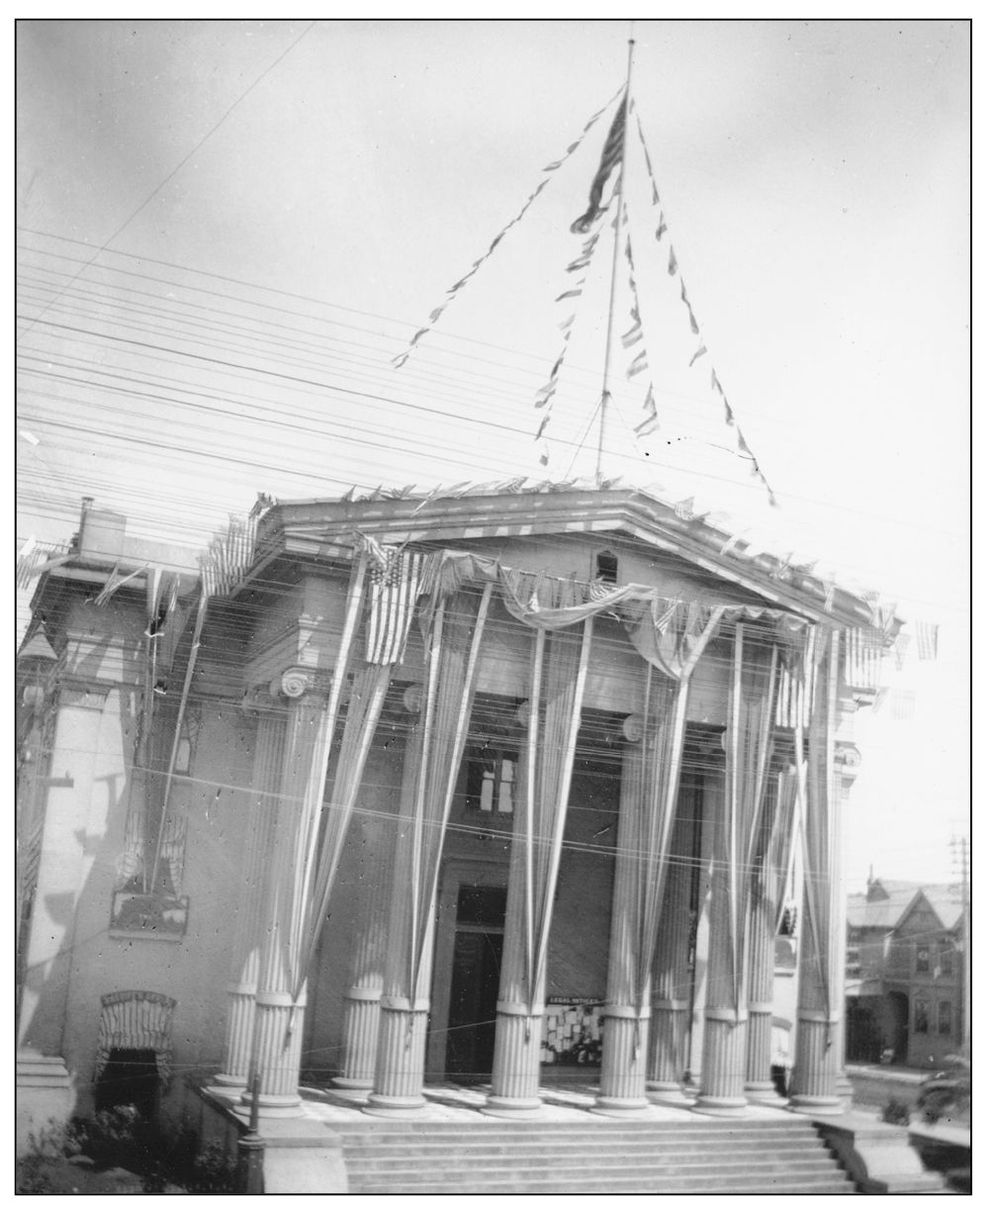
{"x":456,"y":287}
{"x":544,"y":397}
{"x":672,"y":269}
{"x":650,"y":421}
{"x":661,"y":221}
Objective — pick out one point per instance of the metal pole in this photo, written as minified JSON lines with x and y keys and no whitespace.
{"x":251,"y":1147}
{"x":605,"y":389}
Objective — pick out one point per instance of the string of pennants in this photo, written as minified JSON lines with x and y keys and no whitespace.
{"x":435,"y":315}
{"x":635,"y":337}
{"x":610,"y":158}
{"x":673,"y":269}
{"x":573,"y":292}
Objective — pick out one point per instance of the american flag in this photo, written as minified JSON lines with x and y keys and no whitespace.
{"x":394,"y":581}
{"x":610,"y":157}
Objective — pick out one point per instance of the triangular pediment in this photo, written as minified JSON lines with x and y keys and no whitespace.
{"x":327,"y":529}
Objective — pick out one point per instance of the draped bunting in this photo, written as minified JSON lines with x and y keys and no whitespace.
{"x":455,"y":589}
{"x":558,"y":674}
{"x":781,"y":834}
{"x":818,"y":671}
{"x":135,"y":1019}
{"x":452,"y":649}
{"x":671,"y":641}
{"x":365,"y":707}
{"x":450,"y":294}
{"x":748,"y":754}
{"x":303,"y":931}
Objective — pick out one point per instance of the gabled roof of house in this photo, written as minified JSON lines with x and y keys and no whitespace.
{"x":890,"y":901}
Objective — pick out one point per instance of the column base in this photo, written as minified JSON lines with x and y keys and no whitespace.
{"x":815,"y":1105}
{"x":764,"y":1093}
{"x":716,"y":1105}
{"x":670,"y":1095}
{"x":400,"y":1107}
{"x":352,"y":1084}
{"x":508,"y":1108}
{"x":610,"y":1105}
{"x":233,"y":1082}
{"x":276,"y":1107}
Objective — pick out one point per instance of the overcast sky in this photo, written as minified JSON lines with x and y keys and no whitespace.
{"x":814,"y":177}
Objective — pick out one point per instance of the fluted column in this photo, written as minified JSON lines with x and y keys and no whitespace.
{"x":820,"y":1020}
{"x":625,"y":1037}
{"x":762,"y":930}
{"x":671,"y":978}
{"x":702,"y":875}
{"x":723,"y":1061}
{"x":518,"y":1033}
{"x":398,"y":1079}
{"x":279,"y":1020}
{"x":847,"y":763}
{"x":368,"y":955}
{"x":244,"y":982}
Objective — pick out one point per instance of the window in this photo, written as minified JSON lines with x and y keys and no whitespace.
{"x":922,"y":964}
{"x":607,"y":567}
{"x":490,"y":783}
{"x":945,"y":1018}
{"x":921,"y":1015}
{"x":946,"y":958}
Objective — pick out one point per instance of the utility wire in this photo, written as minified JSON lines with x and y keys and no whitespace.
{"x":193,"y":151}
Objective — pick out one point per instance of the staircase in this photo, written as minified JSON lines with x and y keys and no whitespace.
{"x":600,"y":1156}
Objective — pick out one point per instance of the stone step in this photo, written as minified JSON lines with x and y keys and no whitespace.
{"x":587,"y":1133}
{"x":601,"y":1155}
{"x":667,"y":1177}
{"x":391,"y":1157}
{"x":798,"y":1186}
{"x":590,"y":1122}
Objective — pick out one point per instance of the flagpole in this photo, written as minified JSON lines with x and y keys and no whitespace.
{"x":605,"y":389}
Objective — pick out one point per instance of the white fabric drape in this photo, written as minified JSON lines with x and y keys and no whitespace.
{"x":820,"y":847}
{"x":559,"y":666}
{"x":369,"y":688}
{"x":672,"y":638}
{"x":748,"y":752}
{"x":452,"y":650}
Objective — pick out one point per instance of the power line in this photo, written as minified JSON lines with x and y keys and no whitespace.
{"x":169,"y":176}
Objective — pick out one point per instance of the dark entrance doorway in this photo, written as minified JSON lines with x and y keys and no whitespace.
{"x":130,"y":1078}
{"x":479,"y":941}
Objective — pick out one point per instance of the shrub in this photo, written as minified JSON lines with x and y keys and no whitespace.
{"x":896,"y":1113}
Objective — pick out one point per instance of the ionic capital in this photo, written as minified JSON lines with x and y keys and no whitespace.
{"x":297,"y":681}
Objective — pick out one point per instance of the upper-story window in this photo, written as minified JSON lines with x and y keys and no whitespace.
{"x":922,"y":959}
{"x":946,"y":949}
{"x":490,"y":782}
{"x":606,"y":566}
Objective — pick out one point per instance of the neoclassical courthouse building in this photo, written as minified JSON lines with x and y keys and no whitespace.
{"x":485,"y":787}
